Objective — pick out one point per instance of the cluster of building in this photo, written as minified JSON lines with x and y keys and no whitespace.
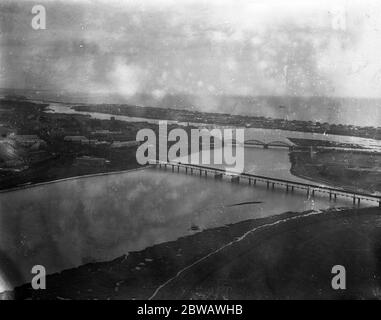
{"x":18,"y":151}
{"x":99,"y":138}
{"x":91,"y":161}
{"x":102,"y":137}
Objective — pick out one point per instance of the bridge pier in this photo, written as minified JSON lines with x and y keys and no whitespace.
{"x":235,"y":179}
{"x":218,"y":176}
{"x":311,"y":189}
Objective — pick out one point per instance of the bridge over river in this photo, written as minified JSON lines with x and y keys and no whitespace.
{"x":259,"y":143}
{"x":251,"y":179}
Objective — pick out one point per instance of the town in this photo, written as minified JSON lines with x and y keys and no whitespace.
{"x":39,"y":146}
{"x":224,"y":119}
{"x":36,"y":146}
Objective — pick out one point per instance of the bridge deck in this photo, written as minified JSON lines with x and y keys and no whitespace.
{"x":310,"y":188}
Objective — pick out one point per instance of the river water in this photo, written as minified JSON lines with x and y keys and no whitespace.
{"x":69,"y":223}
{"x":265,"y":135}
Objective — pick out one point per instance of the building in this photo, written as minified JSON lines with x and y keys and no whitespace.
{"x":77,"y":139}
{"x":125,"y":144}
{"x":91,"y":161}
{"x":105,"y":132}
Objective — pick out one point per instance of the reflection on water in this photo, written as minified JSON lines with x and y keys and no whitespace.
{"x":66,"y":224}
{"x":274,"y":163}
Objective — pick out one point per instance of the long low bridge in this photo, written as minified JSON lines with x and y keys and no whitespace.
{"x":252,"y":179}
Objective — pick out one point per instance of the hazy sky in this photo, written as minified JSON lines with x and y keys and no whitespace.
{"x":193,"y":46}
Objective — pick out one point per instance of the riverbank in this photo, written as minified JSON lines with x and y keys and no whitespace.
{"x":289,"y":256}
{"x":225,"y":119}
{"x":92,"y":175}
{"x":359,"y":172}
{"x":61,"y":159}
{"x":105,"y":145}
{"x":25,"y":163}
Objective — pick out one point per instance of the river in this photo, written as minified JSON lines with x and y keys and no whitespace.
{"x":73,"y":222}
{"x":70,"y":223}
{"x":265,"y":135}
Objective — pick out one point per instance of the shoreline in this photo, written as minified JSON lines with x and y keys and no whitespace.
{"x":189,"y":267}
{"x":38,"y":184}
{"x":88,"y":108}
{"x":351,"y":171}
{"x":61,"y":168}
{"x":235,"y":120}
{"x":332,"y":185}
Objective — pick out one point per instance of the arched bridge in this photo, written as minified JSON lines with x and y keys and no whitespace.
{"x":265,"y":145}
